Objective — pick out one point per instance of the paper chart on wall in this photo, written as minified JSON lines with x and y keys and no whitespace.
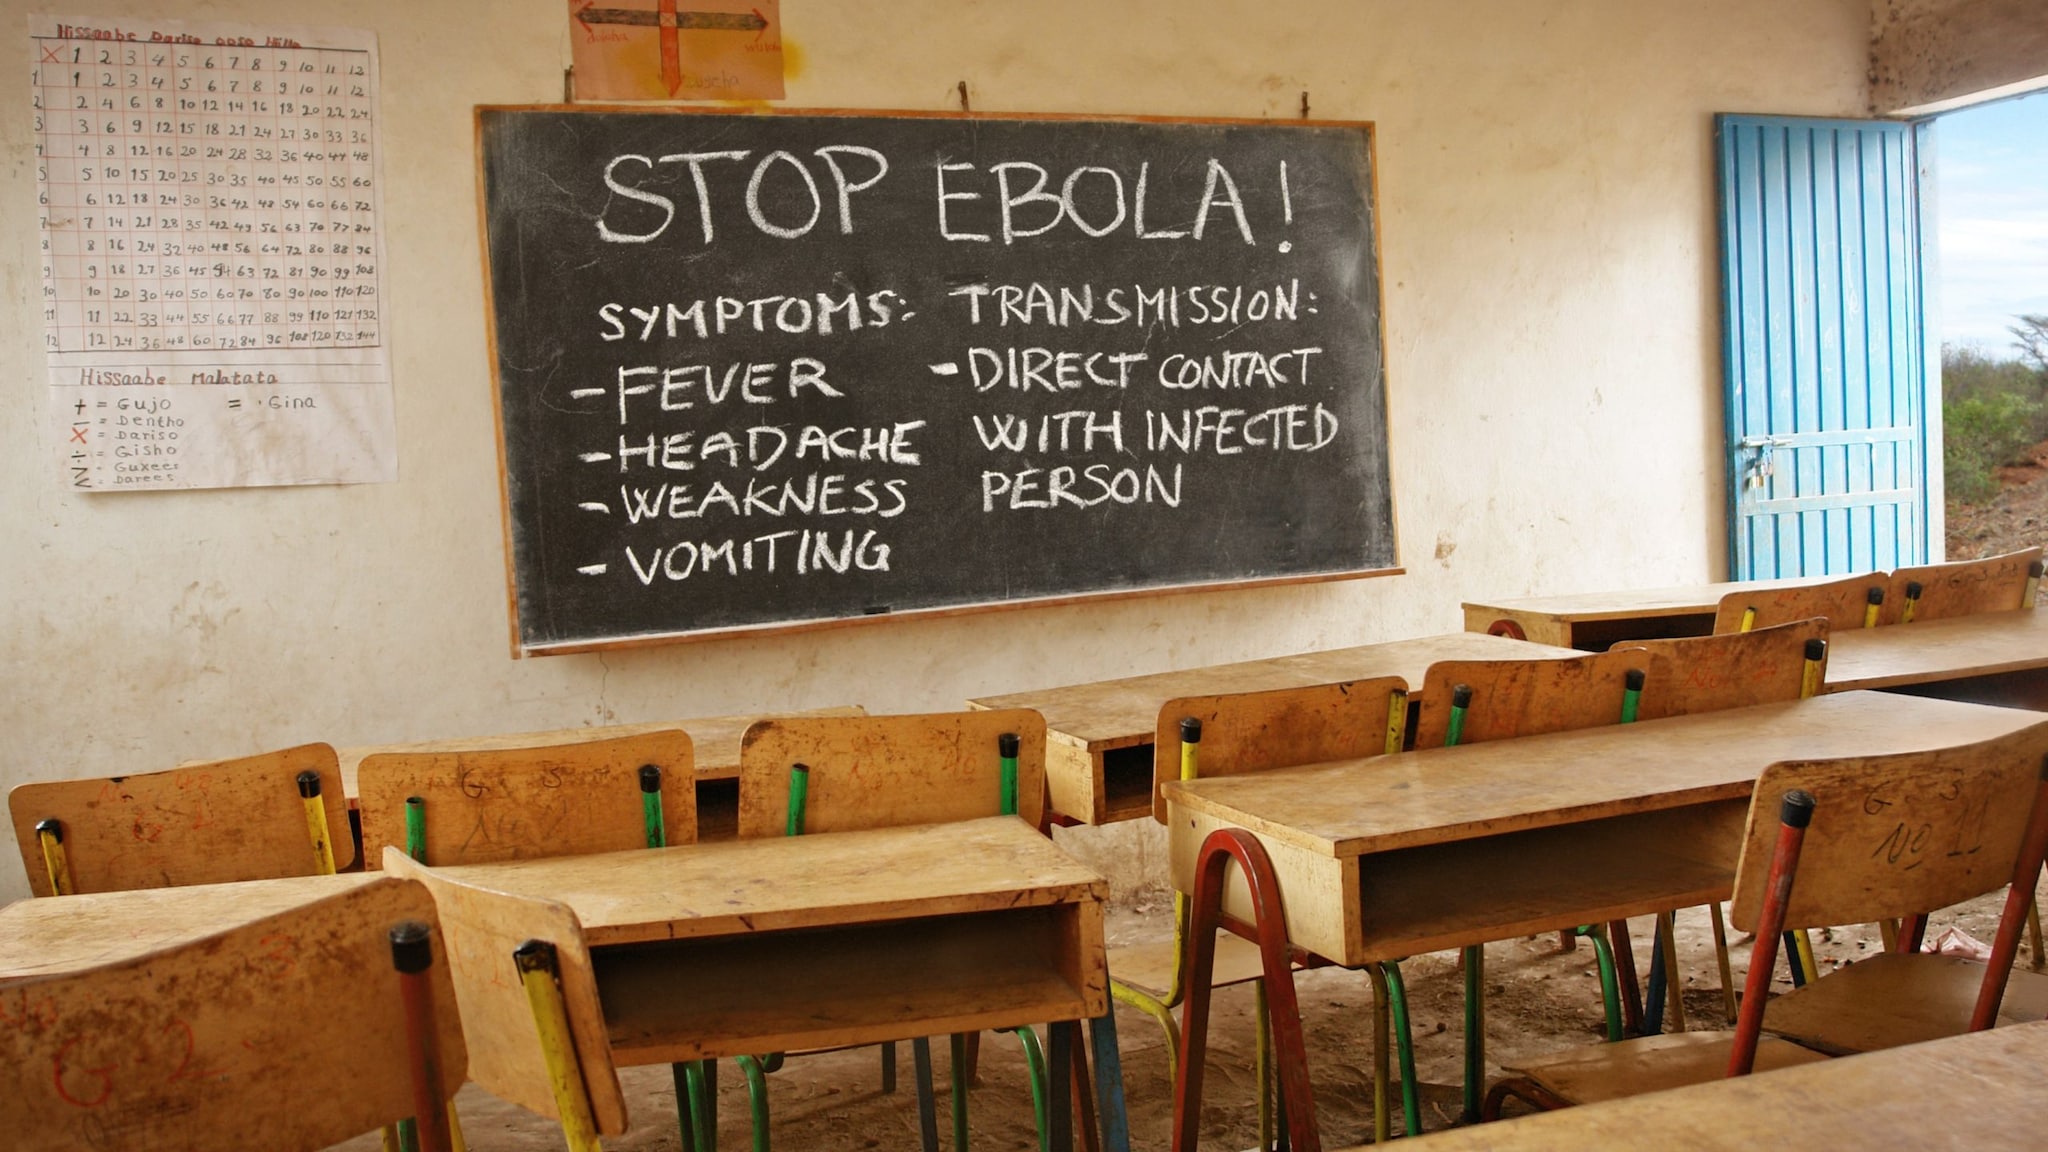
{"x":209,"y":223}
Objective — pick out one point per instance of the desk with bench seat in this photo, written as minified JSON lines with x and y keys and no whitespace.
{"x":1098,"y":753}
{"x":1989,"y":658}
{"x":747,"y":947}
{"x":838,"y":938}
{"x":1595,"y":621}
{"x":1440,"y":848}
{"x":714,"y":740}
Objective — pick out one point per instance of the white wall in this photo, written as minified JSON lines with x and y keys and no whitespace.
{"x":1548,"y":229}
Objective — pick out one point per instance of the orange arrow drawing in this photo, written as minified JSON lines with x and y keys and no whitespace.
{"x":670,"y":22}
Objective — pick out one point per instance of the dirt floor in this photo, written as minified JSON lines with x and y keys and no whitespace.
{"x":1539,"y":999}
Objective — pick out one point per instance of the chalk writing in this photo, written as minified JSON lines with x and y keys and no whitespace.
{"x":791,"y":367}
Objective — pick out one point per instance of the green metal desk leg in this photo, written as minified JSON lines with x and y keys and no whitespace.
{"x":959,"y":1071}
{"x":1475,"y":1030}
{"x":1404,"y":1048}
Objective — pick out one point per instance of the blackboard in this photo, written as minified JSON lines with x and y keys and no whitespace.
{"x":758,"y":371}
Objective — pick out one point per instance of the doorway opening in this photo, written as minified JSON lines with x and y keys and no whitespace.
{"x":1991,"y":317}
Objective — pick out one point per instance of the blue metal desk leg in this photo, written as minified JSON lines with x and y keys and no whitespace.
{"x":1109,"y":1083}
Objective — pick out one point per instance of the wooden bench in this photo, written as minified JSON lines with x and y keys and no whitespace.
{"x":750,"y":946}
{"x":1449,"y":847}
{"x":1099,"y":736}
{"x":714,"y":743}
{"x":281,"y":813}
{"x":260,"y":1014}
{"x":1990,"y":658}
{"x":1596,"y":621}
{"x":1979,"y":1091}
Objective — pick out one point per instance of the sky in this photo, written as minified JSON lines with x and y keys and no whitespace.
{"x":1991,"y":170}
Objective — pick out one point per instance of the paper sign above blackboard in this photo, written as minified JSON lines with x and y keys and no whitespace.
{"x":763,"y":371}
{"x":665,"y":50}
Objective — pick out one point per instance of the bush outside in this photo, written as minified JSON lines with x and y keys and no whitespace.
{"x":1993,"y":410}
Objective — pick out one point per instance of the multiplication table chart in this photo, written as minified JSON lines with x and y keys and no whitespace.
{"x":212,"y":289}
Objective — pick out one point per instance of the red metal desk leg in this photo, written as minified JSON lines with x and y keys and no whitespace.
{"x":1290,"y":1055}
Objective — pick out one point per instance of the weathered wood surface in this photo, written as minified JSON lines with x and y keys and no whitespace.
{"x":818,"y":941}
{"x":778,"y":883}
{"x":1891,"y":999}
{"x":1149,"y":967}
{"x":1513,"y":698}
{"x":1549,"y":619}
{"x":1085,"y":721}
{"x":1244,"y":732}
{"x":198,"y":824}
{"x":1895,"y":834}
{"x":1968,"y":1093}
{"x":213,"y":1037}
{"x":1731,"y":670}
{"x":1435,"y":795}
{"x":1601,"y":1073}
{"x":517,"y":803}
{"x":44,"y":937}
{"x":1891,"y":835}
{"x":1121,"y":713}
{"x":483,"y":928}
{"x":1936,"y":650}
{"x":888,"y":771}
{"x":715,"y":740}
{"x":1962,"y":588}
{"x":1842,"y":603}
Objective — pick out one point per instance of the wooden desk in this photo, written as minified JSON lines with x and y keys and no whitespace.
{"x":714,"y":742}
{"x":1444,"y":847}
{"x":1990,"y":658}
{"x":1594,"y":621}
{"x":840,"y":938}
{"x":57,"y":934}
{"x":739,"y":947}
{"x":1971,"y":1093}
{"x":1098,"y":749}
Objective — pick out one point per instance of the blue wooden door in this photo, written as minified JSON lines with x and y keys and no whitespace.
{"x":1825,"y":352}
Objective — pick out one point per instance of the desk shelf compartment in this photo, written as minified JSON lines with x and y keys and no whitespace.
{"x":1127,"y":782}
{"x":855,"y":984}
{"x":1407,"y":901}
{"x":1421,"y":899}
{"x":2024,"y":688}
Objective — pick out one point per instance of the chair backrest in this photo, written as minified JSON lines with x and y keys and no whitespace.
{"x":1895,"y":835}
{"x":1964,"y":588}
{"x":483,"y":928}
{"x":1525,"y":697}
{"x":1245,"y":732}
{"x":199,"y":824}
{"x":482,"y":806}
{"x":889,"y":771}
{"x":1731,"y":670}
{"x":287,"y":1031}
{"x":1842,"y":603}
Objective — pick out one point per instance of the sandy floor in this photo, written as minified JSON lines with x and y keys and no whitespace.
{"x":1539,"y":999}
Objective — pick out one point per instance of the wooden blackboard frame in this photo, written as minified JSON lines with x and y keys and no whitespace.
{"x":521,"y":649}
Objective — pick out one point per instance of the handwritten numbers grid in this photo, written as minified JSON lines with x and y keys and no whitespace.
{"x":202,"y":197}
